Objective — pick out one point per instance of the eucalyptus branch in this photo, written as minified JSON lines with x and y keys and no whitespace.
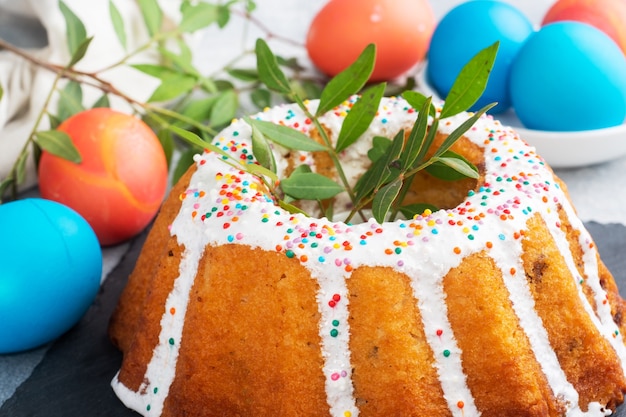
{"x":383,"y":186}
{"x":68,"y":73}
{"x":14,"y":172}
{"x":333,"y":155}
{"x":406,"y":187}
{"x":70,"y":98}
{"x":156,"y":110}
{"x":28,"y":57}
{"x":122,"y":61}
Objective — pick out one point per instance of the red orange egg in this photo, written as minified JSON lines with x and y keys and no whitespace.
{"x":120,"y":183}
{"x":400,"y":29}
{"x":607,"y":15}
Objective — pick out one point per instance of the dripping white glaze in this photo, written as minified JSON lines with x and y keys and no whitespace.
{"x":516,"y":181}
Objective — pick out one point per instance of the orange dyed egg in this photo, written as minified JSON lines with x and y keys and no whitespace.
{"x":122,"y":179}
{"x":400,"y":29}
{"x":607,"y":15}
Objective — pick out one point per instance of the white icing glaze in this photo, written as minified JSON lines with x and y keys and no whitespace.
{"x":516,"y":183}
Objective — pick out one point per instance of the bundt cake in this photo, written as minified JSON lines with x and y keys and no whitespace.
{"x":497,"y":304}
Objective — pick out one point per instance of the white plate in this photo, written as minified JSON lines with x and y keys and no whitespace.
{"x":562,"y":149}
{"x":572,"y":149}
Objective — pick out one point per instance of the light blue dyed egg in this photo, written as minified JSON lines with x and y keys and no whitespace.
{"x":50,"y":271}
{"x":463,"y":32}
{"x":569,"y":76}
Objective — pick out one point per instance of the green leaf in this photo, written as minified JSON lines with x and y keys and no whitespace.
{"x":190,"y":137}
{"x":152,"y":15}
{"x":380,"y":172}
{"x":186,"y":55}
{"x":417,"y":100}
{"x":329,"y":213}
{"x":311,"y":89}
{"x":156,"y":71}
{"x":384,"y":198}
{"x":250,"y":6}
{"x":310,"y":186}
{"x":182,"y":61}
{"x":395,"y":89}
{"x":118,"y":23}
{"x":199,"y":110}
{"x":225,"y":108}
{"x":461,"y":129}
{"x":261,"y":98}
{"x":244,"y":74}
{"x":54,"y":121}
{"x":21,"y":167}
{"x":370,"y":178}
{"x":223,"y":85}
{"x":166,"y":139}
{"x":262,"y":150}
{"x":428,"y":141}
{"x":301,"y":169}
{"x":4,"y":186}
{"x":1,"y":91}
{"x":360,"y":117}
{"x":291,"y":63}
{"x":74,"y":29}
{"x":37,"y":152}
{"x":417,"y":137}
{"x":103,"y":101}
{"x":411,"y":210}
{"x":197,"y":16}
{"x":452,"y":167}
{"x":380,"y":144}
{"x":391,"y":156}
{"x":70,"y":100}
{"x":348,"y":82}
{"x":58,"y":143}
{"x":223,"y":16}
{"x":172,"y":86}
{"x":80,"y":52}
{"x":286,"y":136}
{"x":291,"y":208}
{"x":183,"y":164}
{"x":471,"y":82}
{"x":260,"y":171}
{"x":269,"y":71}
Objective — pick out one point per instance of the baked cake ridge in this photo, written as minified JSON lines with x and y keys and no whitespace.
{"x":225,"y":205}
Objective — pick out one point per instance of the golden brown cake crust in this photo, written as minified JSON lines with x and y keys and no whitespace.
{"x":129,"y":309}
{"x":253,"y":338}
{"x":588,"y":360}
{"x":247,"y":349}
{"x":257,"y":319}
{"x":387,"y":333}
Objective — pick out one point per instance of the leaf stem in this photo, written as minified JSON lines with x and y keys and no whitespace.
{"x":333,"y":155}
{"x":13,"y":173}
{"x":160,"y":110}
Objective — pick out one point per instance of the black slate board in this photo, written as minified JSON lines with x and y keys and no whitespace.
{"x":73,"y":379}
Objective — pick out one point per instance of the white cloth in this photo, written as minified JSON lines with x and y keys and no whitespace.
{"x":26,"y":86}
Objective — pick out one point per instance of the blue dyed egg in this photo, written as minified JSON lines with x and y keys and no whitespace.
{"x":463,"y":32}
{"x":569,"y":76}
{"x":50,"y":270}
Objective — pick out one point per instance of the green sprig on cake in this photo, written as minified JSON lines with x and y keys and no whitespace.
{"x":394,"y":162}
